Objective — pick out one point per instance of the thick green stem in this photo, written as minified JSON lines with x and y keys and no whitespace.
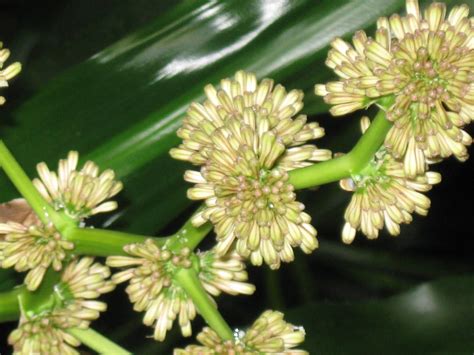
{"x":102,"y":242}
{"x":24,"y":185}
{"x":189,"y":281}
{"x":189,"y":236}
{"x":321,"y":173}
{"x":370,"y":142}
{"x":97,"y":341}
{"x":9,"y":305}
{"x":43,"y":298}
{"x":343,"y":167}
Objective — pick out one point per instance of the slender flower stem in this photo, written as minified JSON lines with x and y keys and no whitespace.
{"x":97,"y":341}
{"x":23,"y":183}
{"x":9,"y":305}
{"x":343,"y":167}
{"x":102,"y":242}
{"x":189,"y":236}
{"x":26,"y":188}
{"x":43,"y":298}
{"x":189,"y":281}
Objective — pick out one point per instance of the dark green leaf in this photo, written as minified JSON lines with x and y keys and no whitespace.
{"x":434,"y":318}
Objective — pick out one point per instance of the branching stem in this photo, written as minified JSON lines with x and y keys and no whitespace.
{"x":9,"y":306}
{"x":103,"y":242}
{"x":189,"y":281}
{"x":343,"y":167}
{"x":97,"y":341}
{"x":99,"y":242}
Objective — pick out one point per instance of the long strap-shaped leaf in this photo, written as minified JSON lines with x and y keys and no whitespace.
{"x":123,"y":105}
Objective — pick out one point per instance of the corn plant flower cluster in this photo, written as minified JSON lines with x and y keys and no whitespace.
{"x":269,"y":334}
{"x":79,"y":193}
{"x":32,"y":248}
{"x":7,"y":73}
{"x":384,"y":195}
{"x":251,"y":148}
{"x":426,"y":62}
{"x":152,"y":289}
{"x":82,"y":281}
{"x":246,"y":137}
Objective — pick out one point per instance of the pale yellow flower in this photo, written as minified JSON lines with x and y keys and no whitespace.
{"x":151,"y":287}
{"x":246,"y":139}
{"x":383,"y":195}
{"x":427,"y":63}
{"x":79,"y":193}
{"x":6,"y":73}
{"x":269,"y":334}
{"x":84,"y":280}
{"x":74,"y":307}
{"x":32,"y":248}
{"x":42,"y":335}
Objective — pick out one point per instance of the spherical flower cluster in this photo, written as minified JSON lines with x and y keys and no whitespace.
{"x":153,"y":290}
{"x":384,"y":195}
{"x":6,"y":73}
{"x":245,"y":138}
{"x":269,"y":334}
{"x":80,"y":193}
{"x":223,"y":274}
{"x":43,"y":334}
{"x":85,"y":280}
{"x":34,"y":248}
{"x":427,"y":64}
{"x":74,"y":307}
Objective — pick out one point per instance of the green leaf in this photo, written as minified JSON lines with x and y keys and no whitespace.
{"x":434,"y":318}
{"x":123,"y":105}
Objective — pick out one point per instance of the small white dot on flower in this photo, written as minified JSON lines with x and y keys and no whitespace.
{"x":238,"y":335}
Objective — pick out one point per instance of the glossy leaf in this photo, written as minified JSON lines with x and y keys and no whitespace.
{"x":434,"y":318}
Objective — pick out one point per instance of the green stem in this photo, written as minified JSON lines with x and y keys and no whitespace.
{"x":26,"y":188}
{"x":189,"y":281}
{"x":24,"y":185}
{"x":97,"y":341}
{"x":44,"y":297}
{"x":102,"y":242}
{"x":189,"y":236}
{"x":346,"y":165}
{"x":9,"y":305}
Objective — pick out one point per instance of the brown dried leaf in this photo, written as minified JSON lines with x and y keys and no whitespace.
{"x":17,"y":210}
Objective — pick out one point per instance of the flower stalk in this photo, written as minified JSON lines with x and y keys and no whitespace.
{"x":42,"y":298}
{"x":26,"y":188}
{"x":189,"y":281}
{"x":9,"y":307}
{"x":189,"y":236}
{"x":102,"y":242}
{"x":342,"y":167}
{"x":97,"y":341}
